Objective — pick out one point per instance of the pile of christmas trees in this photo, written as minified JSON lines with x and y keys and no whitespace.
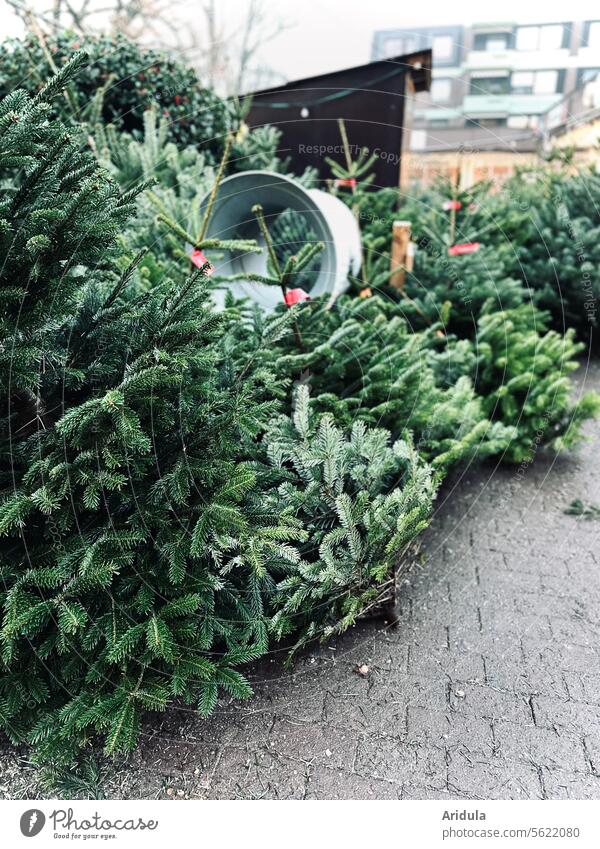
{"x":182,"y":489}
{"x":534,"y":240}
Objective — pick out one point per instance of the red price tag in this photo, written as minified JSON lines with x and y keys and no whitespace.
{"x":198,"y":259}
{"x":349,"y":182}
{"x":464,"y":248}
{"x":451,"y":204}
{"x":295,"y":296}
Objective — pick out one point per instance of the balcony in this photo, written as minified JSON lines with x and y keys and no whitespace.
{"x":508,"y":104}
{"x":518,"y":60}
{"x":473,"y":139}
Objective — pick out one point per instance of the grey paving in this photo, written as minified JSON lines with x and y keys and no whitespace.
{"x":488,"y":688}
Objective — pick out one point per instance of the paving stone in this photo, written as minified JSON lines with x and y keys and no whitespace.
{"x":441,"y":663}
{"x":575,"y":630}
{"x":410,"y":792}
{"x":394,"y":760}
{"x":559,"y":784}
{"x":560,"y":750}
{"x":352,"y":709}
{"x":450,"y":731}
{"x":256,"y":775}
{"x":526,"y":672}
{"x":487,"y":779}
{"x":325,"y":783}
{"x":584,"y":686}
{"x":576,"y":717}
{"x":591,"y":745}
{"x":567,"y":656}
{"x":488,"y":703}
{"x":325,"y":746}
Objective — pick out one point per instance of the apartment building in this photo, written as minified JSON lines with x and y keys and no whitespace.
{"x":498,"y":90}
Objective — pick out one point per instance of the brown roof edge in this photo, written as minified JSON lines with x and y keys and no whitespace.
{"x":421,"y":68}
{"x":420,"y":62}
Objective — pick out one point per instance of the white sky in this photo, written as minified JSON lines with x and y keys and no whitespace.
{"x":334,"y":34}
{"x":329,"y":34}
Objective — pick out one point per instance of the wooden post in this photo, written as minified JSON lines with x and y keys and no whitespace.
{"x":400,"y":258}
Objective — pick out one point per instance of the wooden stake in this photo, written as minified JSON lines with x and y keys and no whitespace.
{"x":400,"y":250}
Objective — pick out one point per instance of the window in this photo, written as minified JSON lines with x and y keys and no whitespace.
{"x":522,"y":82}
{"x":523,"y":122}
{"x":441,"y":90}
{"x":443,"y":48}
{"x":590,"y":98}
{"x":517,"y":122}
{"x":485,"y":122}
{"x":492,"y":42}
{"x":393,"y":47}
{"x":489,"y":85}
{"x":399,"y":46}
{"x":592,"y":38}
{"x":527,"y":38}
{"x":547,"y":37}
{"x":588,"y":80}
{"x":584,"y":75}
{"x":496,"y":42}
{"x":535,"y":82}
{"x":551,"y":37}
{"x":546,"y":82}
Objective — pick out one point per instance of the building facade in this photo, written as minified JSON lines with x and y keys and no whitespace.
{"x":498,"y":92}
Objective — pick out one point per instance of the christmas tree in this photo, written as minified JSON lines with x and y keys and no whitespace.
{"x":125,"y":499}
{"x":362,"y":501}
{"x":523,"y":376}
{"x":559,"y":251}
{"x":362,"y":360}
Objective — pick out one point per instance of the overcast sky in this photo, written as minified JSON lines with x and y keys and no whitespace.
{"x":332,"y":34}
{"x":327,"y":34}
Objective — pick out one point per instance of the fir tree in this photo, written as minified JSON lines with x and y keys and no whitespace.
{"x":125,"y":498}
{"x":559,"y":251}
{"x":177,"y":180}
{"x":362,"y":501}
{"x":523,"y":376}
{"x":59,"y":214}
{"x":455,"y":290}
{"x":362,"y":361}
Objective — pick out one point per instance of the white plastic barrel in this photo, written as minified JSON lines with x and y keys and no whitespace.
{"x":329,"y":218}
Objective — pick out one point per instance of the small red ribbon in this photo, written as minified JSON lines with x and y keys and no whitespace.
{"x":346,"y":181}
{"x":295,"y":296}
{"x":451,"y":204}
{"x":464,"y":248}
{"x":198,"y":259}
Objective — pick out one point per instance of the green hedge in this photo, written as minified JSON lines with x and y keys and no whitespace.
{"x":133,"y":79}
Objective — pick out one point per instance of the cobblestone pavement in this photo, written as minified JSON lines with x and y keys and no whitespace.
{"x":489,"y":687}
